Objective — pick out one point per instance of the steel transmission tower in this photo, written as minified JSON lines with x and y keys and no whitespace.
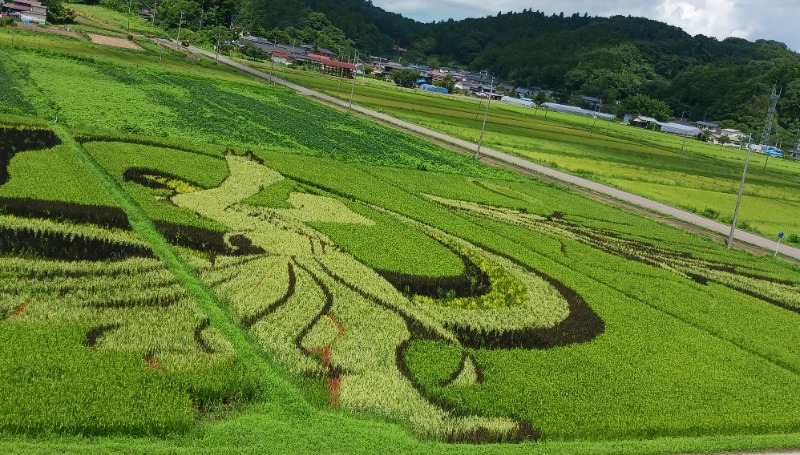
{"x":773,"y":108}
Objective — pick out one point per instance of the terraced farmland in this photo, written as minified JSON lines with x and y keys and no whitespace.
{"x":248,"y":271}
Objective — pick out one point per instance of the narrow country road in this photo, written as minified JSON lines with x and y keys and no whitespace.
{"x":522,"y":163}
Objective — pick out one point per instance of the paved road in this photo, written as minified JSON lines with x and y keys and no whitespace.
{"x":520,"y":162}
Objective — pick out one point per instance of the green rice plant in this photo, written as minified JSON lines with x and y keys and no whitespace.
{"x":52,"y":383}
{"x":44,"y":238}
{"x":399,"y":252}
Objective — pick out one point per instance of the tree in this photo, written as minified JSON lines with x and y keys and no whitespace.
{"x":540,"y":98}
{"x":620,"y":71}
{"x":405,"y":77}
{"x":644,"y":105}
{"x":448,"y":82}
{"x":57,"y":13}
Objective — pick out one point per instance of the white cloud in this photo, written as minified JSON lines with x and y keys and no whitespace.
{"x":749,"y":19}
{"x":718,"y":18}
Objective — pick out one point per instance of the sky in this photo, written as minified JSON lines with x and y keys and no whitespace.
{"x":749,"y":19}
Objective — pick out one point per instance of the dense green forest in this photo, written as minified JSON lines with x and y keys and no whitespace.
{"x":701,"y":78}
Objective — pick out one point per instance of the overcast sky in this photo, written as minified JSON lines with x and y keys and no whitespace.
{"x":750,"y":19}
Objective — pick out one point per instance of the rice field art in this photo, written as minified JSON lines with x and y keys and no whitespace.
{"x":209,"y":286}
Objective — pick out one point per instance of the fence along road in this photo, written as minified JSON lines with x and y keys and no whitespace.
{"x":631,"y":198}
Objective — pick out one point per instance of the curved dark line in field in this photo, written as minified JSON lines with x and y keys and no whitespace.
{"x":78,"y":274}
{"x":139,"y":175}
{"x":478,"y":371}
{"x":455,"y":374}
{"x":99,"y":215}
{"x":472,"y":282}
{"x":66,"y":246}
{"x":198,"y":336}
{"x":581,"y":325}
{"x":15,"y":140}
{"x":419,"y":331}
{"x":161,"y":301}
{"x":84,"y":139}
{"x":760,"y":297}
{"x":253,"y":320}
{"x":414,"y":327}
{"x":402,"y":366}
{"x":697,"y":278}
{"x":93,"y":335}
{"x":483,"y":186}
{"x":659,"y":253}
{"x":525,"y":431}
{"x":326,"y":308}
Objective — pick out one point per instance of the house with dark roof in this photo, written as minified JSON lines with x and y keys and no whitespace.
{"x":707,"y":126}
{"x":27,"y":10}
{"x":643,"y":121}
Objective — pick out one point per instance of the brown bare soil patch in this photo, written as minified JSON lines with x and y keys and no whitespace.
{"x":152,"y":363}
{"x":114,"y":42}
{"x":51,"y":30}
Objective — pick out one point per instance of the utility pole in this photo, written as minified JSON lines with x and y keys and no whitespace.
{"x":178,"y":40}
{"x":219,"y":29}
{"x":353,"y":89}
{"x":739,"y":199}
{"x":130,"y":7}
{"x":595,"y":115}
{"x":341,"y":75}
{"x":485,"y":115}
{"x":272,"y":60}
{"x":773,"y":108}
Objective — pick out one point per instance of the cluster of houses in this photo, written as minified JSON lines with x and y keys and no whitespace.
{"x":305,"y":54}
{"x":713,"y":133}
{"x":478,"y":84}
{"x":27,"y":11}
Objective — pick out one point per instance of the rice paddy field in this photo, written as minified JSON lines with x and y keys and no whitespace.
{"x":695,"y":176}
{"x":195,"y":261}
